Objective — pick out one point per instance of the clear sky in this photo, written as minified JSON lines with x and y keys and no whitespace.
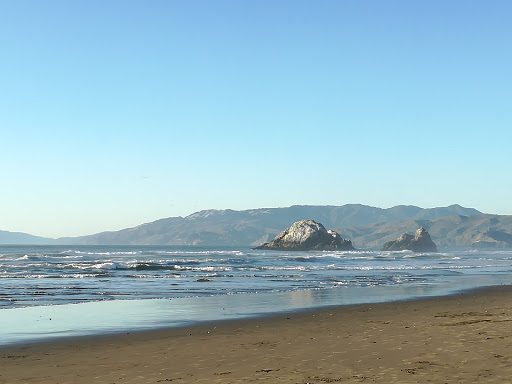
{"x":115,"y":113}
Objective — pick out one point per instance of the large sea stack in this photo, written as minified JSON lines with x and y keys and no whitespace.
{"x":307,"y":235}
{"x":420,"y":242}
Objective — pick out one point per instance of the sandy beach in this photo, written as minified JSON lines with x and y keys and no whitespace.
{"x":465,"y":338}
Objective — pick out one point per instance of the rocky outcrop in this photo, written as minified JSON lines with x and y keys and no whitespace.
{"x":308,"y":235}
{"x":420,"y":242}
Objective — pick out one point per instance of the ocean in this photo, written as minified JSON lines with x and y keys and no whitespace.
{"x":57,"y":291}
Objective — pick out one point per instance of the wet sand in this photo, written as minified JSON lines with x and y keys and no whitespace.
{"x":465,"y":338}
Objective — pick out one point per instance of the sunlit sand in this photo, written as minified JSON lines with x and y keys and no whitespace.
{"x":464,"y":338}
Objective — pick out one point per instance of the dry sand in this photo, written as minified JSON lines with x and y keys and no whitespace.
{"x":466,"y":338}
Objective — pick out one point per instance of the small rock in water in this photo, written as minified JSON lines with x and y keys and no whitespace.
{"x":420,"y":242}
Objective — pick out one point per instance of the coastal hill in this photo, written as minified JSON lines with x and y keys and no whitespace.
{"x":7,"y":237}
{"x":365,"y":226}
{"x":257,"y":226}
{"x":456,"y":231}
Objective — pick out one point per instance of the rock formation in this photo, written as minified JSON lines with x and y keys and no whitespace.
{"x":420,"y":242}
{"x":308,"y":235}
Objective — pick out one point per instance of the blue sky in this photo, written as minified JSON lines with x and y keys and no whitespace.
{"x":116,"y":113}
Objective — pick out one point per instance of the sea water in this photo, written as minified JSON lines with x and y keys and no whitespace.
{"x":52,"y":291}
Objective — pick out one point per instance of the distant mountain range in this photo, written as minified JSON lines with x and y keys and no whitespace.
{"x":23,"y":238}
{"x":256,"y":226}
{"x":365,"y":226}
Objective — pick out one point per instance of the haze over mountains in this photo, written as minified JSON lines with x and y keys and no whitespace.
{"x":365,"y":226}
{"x":7,"y":237}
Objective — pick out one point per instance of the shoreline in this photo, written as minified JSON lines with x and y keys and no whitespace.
{"x":90,"y":319}
{"x":464,"y":336}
